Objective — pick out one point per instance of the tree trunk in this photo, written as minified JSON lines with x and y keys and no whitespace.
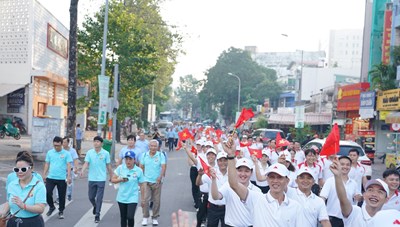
{"x":72,"y":72}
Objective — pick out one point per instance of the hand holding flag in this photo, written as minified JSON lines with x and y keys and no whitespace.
{"x":205,"y":167}
{"x":245,"y":115}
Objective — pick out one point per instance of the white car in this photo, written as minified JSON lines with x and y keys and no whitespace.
{"x":345,"y":146}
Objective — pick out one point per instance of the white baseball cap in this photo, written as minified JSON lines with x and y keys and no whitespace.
{"x":209,"y":143}
{"x":244,"y":162}
{"x":222,"y":154}
{"x":279,"y":169}
{"x":385,"y":218}
{"x":244,"y":136}
{"x":211,"y":150}
{"x":199,"y":142}
{"x":380,"y":183}
{"x":304,"y":170}
{"x":264,"y":151}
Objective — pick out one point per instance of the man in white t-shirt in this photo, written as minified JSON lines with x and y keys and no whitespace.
{"x":273,"y":208}
{"x":314,"y":208}
{"x":236,"y":213}
{"x":392,"y":179}
{"x":328,"y":192}
{"x":375,"y":195}
{"x":387,"y":218}
{"x":357,"y":171}
{"x":299,"y":156}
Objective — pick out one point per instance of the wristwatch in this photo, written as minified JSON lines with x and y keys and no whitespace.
{"x":230,"y":157}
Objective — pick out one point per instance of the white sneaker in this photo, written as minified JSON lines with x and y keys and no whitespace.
{"x":155,"y":222}
{"x":144,"y":222}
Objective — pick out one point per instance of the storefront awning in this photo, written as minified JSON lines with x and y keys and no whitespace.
{"x":310,"y":119}
{"x":393,"y":117}
{"x":8,"y":88}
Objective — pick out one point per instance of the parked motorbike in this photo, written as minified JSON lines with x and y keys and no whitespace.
{"x":19,"y":123}
{"x":7,"y":129}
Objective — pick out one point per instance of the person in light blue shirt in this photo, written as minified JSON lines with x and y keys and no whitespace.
{"x":153,"y":166}
{"x":30,"y":207}
{"x":78,"y":138}
{"x":98,"y":161}
{"x":171,"y":138}
{"x":176,"y":136}
{"x":130,"y":178}
{"x":13,"y":175}
{"x":74,"y":165}
{"x":58,"y":162}
{"x":131,"y":139}
{"x":142,"y":144}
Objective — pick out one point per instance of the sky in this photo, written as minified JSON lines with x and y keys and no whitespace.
{"x":210,"y":27}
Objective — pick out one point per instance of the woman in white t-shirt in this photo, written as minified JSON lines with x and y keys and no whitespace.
{"x":261,"y":166}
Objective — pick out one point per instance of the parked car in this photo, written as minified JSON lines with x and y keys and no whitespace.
{"x":267,"y":134}
{"x":345,"y":146}
{"x":162,"y":126}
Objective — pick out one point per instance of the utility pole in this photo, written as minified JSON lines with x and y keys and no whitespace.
{"x":114,"y":112}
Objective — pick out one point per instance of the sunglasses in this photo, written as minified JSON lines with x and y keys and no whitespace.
{"x":23,"y":169}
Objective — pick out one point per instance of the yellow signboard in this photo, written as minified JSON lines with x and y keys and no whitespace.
{"x":388,"y":100}
{"x":383,"y":114}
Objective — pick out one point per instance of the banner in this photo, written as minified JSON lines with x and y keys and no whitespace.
{"x":104,"y":84}
{"x":388,"y":100}
{"x":387,"y":30}
{"x":299,"y":117}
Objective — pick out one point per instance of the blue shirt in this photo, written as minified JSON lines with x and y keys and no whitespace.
{"x":138,"y":153}
{"x":176,"y":136}
{"x":58,"y":161}
{"x":170,"y":134}
{"x":128,"y":192}
{"x":37,"y":196}
{"x":74,"y":155}
{"x":79,"y":134}
{"x":152,"y":166}
{"x":142,"y":145}
{"x":97,"y":164}
{"x":12,"y":176}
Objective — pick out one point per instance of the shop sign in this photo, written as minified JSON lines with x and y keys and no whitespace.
{"x":387,"y":30}
{"x":16,"y":98}
{"x":349,"y":96}
{"x":388,"y":100}
{"x":348,"y":129}
{"x":367,"y":104}
{"x":383,"y":114}
{"x":366,"y":133}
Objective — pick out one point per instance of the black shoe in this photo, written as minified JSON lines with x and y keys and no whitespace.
{"x":94,"y":210}
{"x":51,"y":210}
{"x":60,"y":215}
{"x":69,"y":198}
{"x":97,"y":219}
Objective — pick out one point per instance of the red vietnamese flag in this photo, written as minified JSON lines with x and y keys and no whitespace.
{"x":185,"y":134}
{"x":201,"y":129}
{"x":244,"y":144}
{"x":218,"y":132}
{"x":205,"y":167}
{"x":215,"y":141}
{"x":281,"y":142}
{"x":193,"y":150}
{"x":256,"y":152}
{"x":331,"y":145}
{"x":245,"y":115}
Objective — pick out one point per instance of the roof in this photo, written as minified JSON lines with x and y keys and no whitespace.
{"x":310,"y":119}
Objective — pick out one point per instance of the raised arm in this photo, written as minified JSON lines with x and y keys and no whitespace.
{"x":199,"y":176}
{"x":257,"y":169}
{"x":345,"y":204}
{"x":214,"y":187}
{"x":240,"y":189}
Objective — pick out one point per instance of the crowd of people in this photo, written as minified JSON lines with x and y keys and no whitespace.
{"x":235,"y":181}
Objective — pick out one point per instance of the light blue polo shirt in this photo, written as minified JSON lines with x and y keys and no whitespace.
{"x":142,"y":145}
{"x":58,"y":164}
{"x":152,"y":166}
{"x":138,"y":153}
{"x":12,"y":176}
{"x":97,"y":164}
{"x":74,"y":155}
{"x":128,"y":192}
{"x":37,"y":196}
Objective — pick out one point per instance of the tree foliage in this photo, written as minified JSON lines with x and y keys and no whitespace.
{"x":383,"y":76}
{"x":221,"y":89}
{"x":143,"y":46}
{"x":187,"y":94}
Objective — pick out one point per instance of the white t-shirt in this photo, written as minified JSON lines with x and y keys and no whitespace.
{"x":328,"y":191}
{"x":268,"y":212}
{"x":299,"y":157}
{"x":314,"y":208}
{"x":357,"y":173}
{"x":236,"y":214}
{"x":274,"y":155}
{"x":221,"y":180}
{"x":358,"y":217}
{"x":315,"y":168}
{"x":385,"y":218}
{"x":325,"y":164}
{"x":393,"y":202}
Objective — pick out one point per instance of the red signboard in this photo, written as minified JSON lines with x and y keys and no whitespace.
{"x":366,"y":133}
{"x":387,"y":29}
{"x":349,"y":96}
{"x":348,"y":129}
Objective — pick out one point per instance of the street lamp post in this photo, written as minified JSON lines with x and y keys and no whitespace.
{"x":231,"y":74}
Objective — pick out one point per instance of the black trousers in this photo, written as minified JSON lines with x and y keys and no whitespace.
{"x":215,"y":215}
{"x":62,"y":190}
{"x":195,"y":188}
{"x":202,"y":213}
{"x":36,"y":221}
{"x":336,"y":222}
{"x":127,"y":213}
{"x":170,"y":144}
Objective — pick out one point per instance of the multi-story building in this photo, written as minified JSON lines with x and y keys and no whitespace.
{"x":345,"y":48}
{"x":33,"y":61}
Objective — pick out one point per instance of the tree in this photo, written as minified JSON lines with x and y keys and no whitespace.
{"x":221,"y":90}
{"x":72,"y":62}
{"x":143,"y":46}
{"x":383,"y":76}
{"x":187,"y":94}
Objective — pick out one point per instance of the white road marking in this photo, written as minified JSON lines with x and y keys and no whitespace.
{"x":88,"y":218}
